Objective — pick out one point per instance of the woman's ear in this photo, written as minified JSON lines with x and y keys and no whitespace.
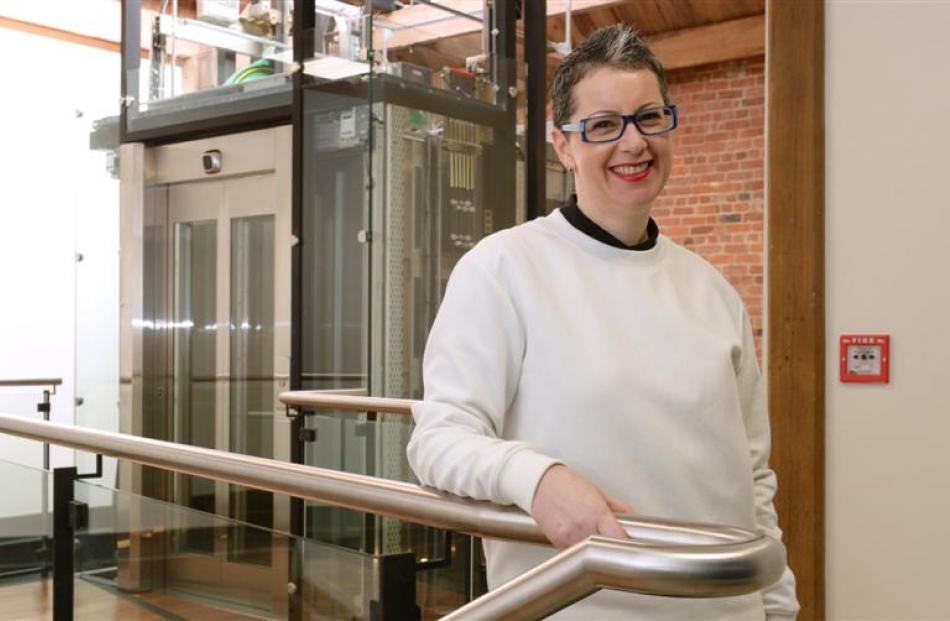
{"x":563,"y":148}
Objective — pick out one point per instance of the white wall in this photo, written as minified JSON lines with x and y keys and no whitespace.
{"x":888,"y":257}
{"x":55,"y":199}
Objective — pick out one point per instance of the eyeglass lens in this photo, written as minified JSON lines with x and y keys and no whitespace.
{"x":610,"y":127}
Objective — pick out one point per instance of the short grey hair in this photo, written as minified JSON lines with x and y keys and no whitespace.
{"x":617,"y":46}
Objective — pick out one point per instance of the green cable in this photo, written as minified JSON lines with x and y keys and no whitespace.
{"x":260,"y":68}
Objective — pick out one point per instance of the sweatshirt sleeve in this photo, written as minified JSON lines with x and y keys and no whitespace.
{"x":471,"y":368}
{"x":779,"y":599}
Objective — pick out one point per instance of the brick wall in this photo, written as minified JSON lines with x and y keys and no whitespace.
{"x":714,"y":201}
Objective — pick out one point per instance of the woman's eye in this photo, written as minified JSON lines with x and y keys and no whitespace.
{"x":602,"y":124}
{"x":650,"y":117}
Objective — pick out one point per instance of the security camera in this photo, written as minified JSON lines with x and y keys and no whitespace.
{"x":211,"y":160}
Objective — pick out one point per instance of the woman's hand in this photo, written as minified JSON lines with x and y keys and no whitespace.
{"x":569,"y":509}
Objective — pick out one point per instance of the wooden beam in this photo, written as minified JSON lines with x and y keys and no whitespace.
{"x":414,"y":18}
{"x":796,"y":287}
{"x":461,"y":47}
{"x":731,"y":40}
{"x":425,"y":56}
{"x":185,"y":49}
{"x":58,"y":34}
{"x":690,"y":47}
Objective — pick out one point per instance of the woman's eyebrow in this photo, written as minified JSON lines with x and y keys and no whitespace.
{"x":599,"y":112}
{"x":649,"y":104}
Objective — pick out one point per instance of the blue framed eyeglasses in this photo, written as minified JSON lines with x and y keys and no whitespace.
{"x":609,"y":127}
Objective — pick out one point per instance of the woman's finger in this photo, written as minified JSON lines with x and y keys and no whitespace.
{"x":610,"y":527}
{"x":618,"y":506}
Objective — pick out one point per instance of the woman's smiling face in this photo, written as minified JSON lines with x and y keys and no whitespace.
{"x":627,"y":175}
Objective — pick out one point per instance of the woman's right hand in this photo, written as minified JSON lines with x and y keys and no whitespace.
{"x":568,"y":508}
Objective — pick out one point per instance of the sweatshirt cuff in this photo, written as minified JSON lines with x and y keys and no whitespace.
{"x":776,"y":616}
{"x":520,"y":476}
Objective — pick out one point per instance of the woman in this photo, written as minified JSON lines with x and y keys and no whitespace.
{"x":581,"y":365}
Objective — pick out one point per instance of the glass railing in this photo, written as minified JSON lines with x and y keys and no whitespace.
{"x":25,"y":523}
{"x":450,"y":566}
{"x":137,"y":555}
{"x":673,"y":559}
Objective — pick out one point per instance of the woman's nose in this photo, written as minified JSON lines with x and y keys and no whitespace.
{"x":632,"y":140}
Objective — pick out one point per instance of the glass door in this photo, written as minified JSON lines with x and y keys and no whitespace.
{"x":230,"y":356}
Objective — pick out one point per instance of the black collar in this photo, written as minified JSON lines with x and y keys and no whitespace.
{"x":572,"y":212}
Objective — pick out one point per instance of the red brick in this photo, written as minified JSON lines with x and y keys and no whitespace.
{"x":719,"y":171}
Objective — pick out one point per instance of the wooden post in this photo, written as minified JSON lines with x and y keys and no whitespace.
{"x":796,"y":272}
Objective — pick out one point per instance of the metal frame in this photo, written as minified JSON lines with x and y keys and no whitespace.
{"x":281,"y":108}
{"x":334,"y":400}
{"x":661,"y":557}
{"x":69,"y":516}
{"x":389,"y":89}
{"x":204,"y":33}
{"x":229,"y":118}
{"x":48,"y":381}
{"x":385,"y":88}
{"x":43,"y":406}
{"x":304,"y":26}
{"x":266,"y":152}
{"x":535,"y":52}
{"x":448,"y":9}
{"x":269,"y":111}
{"x":182,"y":211}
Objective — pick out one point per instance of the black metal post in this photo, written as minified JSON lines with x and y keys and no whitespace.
{"x":499,"y":185}
{"x":304,"y":26}
{"x":63,"y":534}
{"x":130,"y":51}
{"x":535,"y":54}
{"x":470,"y":569}
{"x":371,"y":540}
{"x":397,"y":589}
{"x":45,"y":407}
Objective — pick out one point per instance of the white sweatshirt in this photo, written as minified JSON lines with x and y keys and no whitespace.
{"x":636,"y":369}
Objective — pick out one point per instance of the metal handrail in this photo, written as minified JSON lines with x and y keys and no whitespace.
{"x":600,"y":562}
{"x":716,"y":560}
{"x":44,"y":406}
{"x":719,"y":570}
{"x":32,"y":381}
{"x":339,"y":400}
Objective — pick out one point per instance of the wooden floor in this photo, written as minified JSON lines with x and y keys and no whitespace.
{"x":33,"y":601}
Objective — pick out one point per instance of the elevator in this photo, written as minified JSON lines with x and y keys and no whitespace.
{"x":213,"y":301}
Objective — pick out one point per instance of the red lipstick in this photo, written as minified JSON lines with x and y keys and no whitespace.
{"x":635,"y":177}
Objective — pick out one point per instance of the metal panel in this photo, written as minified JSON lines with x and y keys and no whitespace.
{"x":241,"y":154}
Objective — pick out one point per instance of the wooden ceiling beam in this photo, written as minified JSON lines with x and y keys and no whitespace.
{"x":59,"y":34}
{"x":425,"y":56}
{"x":460,"y":47}
{"x":691,"y":47}
{"x":702,"y":45}
{"x":455,"y":26}
{"x":737,"y":38}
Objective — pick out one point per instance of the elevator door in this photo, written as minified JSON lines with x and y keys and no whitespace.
{"x":229,"y":353}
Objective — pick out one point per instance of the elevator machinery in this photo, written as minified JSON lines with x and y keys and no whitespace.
{"x":308,"y":255}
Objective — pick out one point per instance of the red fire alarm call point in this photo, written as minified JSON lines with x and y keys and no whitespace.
{"x":865,"y":358}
